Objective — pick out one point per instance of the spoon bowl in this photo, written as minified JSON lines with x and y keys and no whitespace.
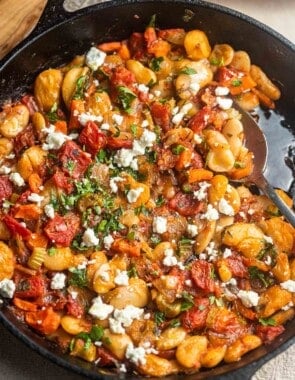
{"x":256,"y":142}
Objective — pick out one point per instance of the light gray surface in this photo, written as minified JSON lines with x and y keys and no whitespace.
{"x":19,"y":362}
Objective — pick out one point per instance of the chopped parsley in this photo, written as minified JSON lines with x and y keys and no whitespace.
{"x":175,"y":323}
{"x":81,"y":85}
{"x":95,"y":335}
{"x":178,"y":149}
{"x":188,"y":71}
{"x":217,"y":61}
{"x":51,"y":251}
{"x":52,"y":114}
{"x":132,"y":272}
{"x":126,"y":97}
{"x":133,"y":128}
{"x":256,"y":273}
{"x":78,"y":277}
{"x":155,"y":63}
{"x":236,"y":82}
{"x":267,"y":321}
{"x":187,"y":301}
{"x":160,"y":200}
{"x":159,"y":317}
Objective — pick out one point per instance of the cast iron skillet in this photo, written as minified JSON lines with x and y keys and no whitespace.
{"x":59,"y":36}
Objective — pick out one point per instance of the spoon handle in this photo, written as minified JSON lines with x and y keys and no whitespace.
{"x":268,"y":190}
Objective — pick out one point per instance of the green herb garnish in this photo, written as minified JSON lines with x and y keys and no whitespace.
{"x":256,"y":273}
{"x":160,"y":200}
{"x":236,"y":82}
{"x":175,"y":323}
{"x":80,"y":87}
{"x":126,"y":97}
{"x":78,"y":278}
{"x":178,"y":149}
{"x":159,"y":317}
{"x":155,"y":63}
{"x":188,"y":301}
{"x":267,"y":321}
{"x":52,"y":114}
{"x":188,"y":71}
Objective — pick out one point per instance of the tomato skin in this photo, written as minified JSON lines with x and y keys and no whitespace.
{"x":24,"y":139}
{"x":15,"y":227}
{"x":185,"y":204}
{"x":6,"y":187}
{"x":201,"y":275}
{"x":30,"y":102}
{"x":225,"y":74}
{"x":161,"y":114}
{"x":63,"y":182}
{"x":106,"y":358}
{"x":237,"y":267}
{"x":200,"y":121}
{"x":195,"y":318}
{"x":74,"y":308}
{"x":92,"y":138}
{"x":31,"y":287}
{"x":136,"y":45}
{"x":70,"y":151}
{"x":62,"y":229}
{"x":117,"y":143}
{"x":268,"y":333}
{"x":197,"y":161}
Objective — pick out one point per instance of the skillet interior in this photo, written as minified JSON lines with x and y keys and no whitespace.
{"x":115,"y":20}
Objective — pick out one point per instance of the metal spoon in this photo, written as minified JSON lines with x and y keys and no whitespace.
{"x":256,"y":143}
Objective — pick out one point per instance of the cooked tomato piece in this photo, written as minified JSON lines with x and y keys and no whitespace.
{"x":202,"y":275}
{"x":165,"y":159}
{"x":237,"y":267}
{"x":195,"y":318}
{"x":268,"y":333}
{"x":225,"y":74}
{"x":197,"y":161}
{"x":224,"y":321}
{"x":24,"y":139}
{"x":6,"y":188}
{"x":74,"y":308}
{"x":92,"y":138}
{"x":186,"y":204}
{"x":16,"y":228}
{"x":201,"y":119}
{"x":46,"y":320}
{"x":30,"y":102}
{"x":117,"y":143}
{"x":31,"y":287}
{"x":106,"y":357}
{"x":161,"y":114}
{"x":63,"y":182}
{"x":62,"y":229}
{"x":121,"y":77}
{"x":73,"y":160}
{"x":136,"y":45}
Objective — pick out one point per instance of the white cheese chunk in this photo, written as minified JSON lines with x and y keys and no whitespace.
{"x":58,"y":281}
{"x":288,"y":285}
{"x":86,"y":116}
{"x":121,"y":278}
{"x":36,"y":198}
{"x":49,"y":211}
{"x":159,"y":224}
{"x":108,"y":241}
{"x":211,"y":213}
{"x":95,"y":58}
{"x":201,"y":193}
{"x":134,"y":194}
{"x":89,"y":239}
{"x":221,"y":91}
{"x":99,"y":309}
{"x":5,"y":169}
{"x":135,"y":354}
{"x":118,"y":119}
{"x":225,"y":208}
{"x":192,"y":230}
{"x":249,"y":298}
{"x":7,"y":288}
{"x":16,"y":179}
{"x":169,"y":260}
{"x":224,"y":103}
{"x":113,"y":183}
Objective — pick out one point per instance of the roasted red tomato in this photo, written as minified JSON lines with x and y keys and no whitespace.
{"x":15,"y":227}
{"x":186,"y":204}
{"x":117,"y":143}
{"x":136,"y":45}
{"x":162,"y":115}
{"x":237,"y":267}
{"x":62,"y":229}
{"x":195,"y":318}
{"x":105,"y":356}
{"x":268,"y":333}
{"x":24,"y":139}
{"x":73,"y":160}
{"x":63,"y":182}
{"x":202,"y":275}
{"x":5,"y":188}
{"x":200,"y":120}
{"x":31,"y":287}
{"x":74,"y":308}
{"x":92,"y":138}
{"x":121,"y":77}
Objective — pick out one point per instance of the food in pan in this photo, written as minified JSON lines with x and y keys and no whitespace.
{"x":128,"y":238}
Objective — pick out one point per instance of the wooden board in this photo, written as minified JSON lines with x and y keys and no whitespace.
{"x":17,"y":19}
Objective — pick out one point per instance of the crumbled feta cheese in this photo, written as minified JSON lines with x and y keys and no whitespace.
{"x":134,"y":164}
{"x":108,"y":241}
{"x":194,"y":87}
{"x":103,"y":272}
{"x":192,"y":230}
{"x":211,"y":213}
{"x":86,"y":116}
{"x":145,"y":123}
{"x":198,"y":139}
{"x":123,"y":157}
{"x":249,"y":298}
{"x":267,"y":259}
{"x":148,"y":138}
{"x":73,"y":294}
{"x":159,"y":224}
{"x":116,"y":326}
{"x":175,"y":110}
{"x":124,"y":318}
{"x":147,"y":316}
{"x":288,"y":306}
{"x":225,"y":208}
{"x":251,"y":211}
{"x":49,"y":211}
{"x":95,"y":58}
{"x":201,"y":194}
{"x":113,"y":183}
{"x":7,"y":288}
{"x":221,"y":91}
{"x":224,"y":103}
{"x":227,"y":253}
{"x":105,"y":126}
{"x":169,"y":260}
{"x":211,"y":251}
{"x":143,"y":88}
{"x":121,"y":278}
{"x":177,"y":118}
{"x":268,"y":239}
{"x":36,"y":198}
{"x":202,"y":256}
{"x":157,"y":93}
{"x":89,"y":239}
{"x":98,"y":343}
{"x":135,"y":354}
{"x":99,"y":309}
{"x":54,"y":140}
{"x":188,"y":282}
{"x":134,"y":194}
{"x":82,"y":265}
{"x":10,"y":156}
{"x":118,"y":119}
{"x":288,"y":285}
{"x":16,"y":179}
{"x":58,"y":281}
{"x":122,"y":368}
{"x":5,"y":169}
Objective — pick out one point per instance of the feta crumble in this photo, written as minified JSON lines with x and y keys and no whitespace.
{"x":95,"y":58}
{"x":192,"y":230}
{"x":221,"y":91}
{"x":121,"y":278}
{"x":249,"y":298}
{"x":113,"y":183}
{"x":201,"y":194}
{"x":134,"y":194}
{"x":211,"y":213}
{"x":159,"y":224}
{"x":169,"y":260}
{"x":36,"y":198}
{"x":89,"y":239}
{"x":288,"y":285}
{"x":224,"y":103}
{"x":83,"y":118}
{"x":135,"y":354}
{"x":5,"y":169}
{"x":108,"y":241}
{"x":49,"y":211}
{"x":58,"y":281}
{"x":17,"y":179}
{"x":225,"y":208}
{"x":7,"y":288}
{"x":99,"y":309}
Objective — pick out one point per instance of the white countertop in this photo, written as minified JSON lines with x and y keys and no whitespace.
{"x":280,"y":15}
